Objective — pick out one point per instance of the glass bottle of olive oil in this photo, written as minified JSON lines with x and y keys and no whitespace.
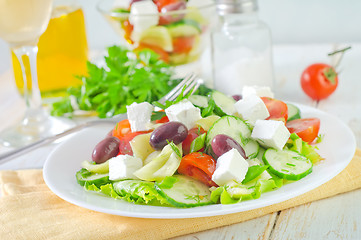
{"x":63,"y":51}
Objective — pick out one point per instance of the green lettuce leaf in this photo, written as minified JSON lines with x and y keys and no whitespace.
{"x":138,"y":191}
{"x":235,"y":192}
{"x":167,"y":182}
{"x":253,"y":172}
{"x":295,"y":143}
{"x":91,"y":187}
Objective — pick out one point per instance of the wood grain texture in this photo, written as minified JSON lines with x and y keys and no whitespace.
{"x":332,"y":218}
{"x":258,"y":228}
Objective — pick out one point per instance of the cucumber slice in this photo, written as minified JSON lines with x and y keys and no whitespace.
{"x":224,"y":105}
{"x":185,"y":23}
{"x":96,"y":168}
{"x":287,"y":164}
{"x":207,"y":122}
{"x":83,"y":176}
{"x":193,"y":13}
{"x":293,"y":112}
{"x":185,"y":192}
{"x":184,"y":30}
{"x":158,"y":36}
{"x":237,"y":129}
{"x":199,"y":101}
{"x":251,"y":149}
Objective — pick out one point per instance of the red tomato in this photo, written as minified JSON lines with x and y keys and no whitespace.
{"x":199,"y":166}
{"x":319,"y":81}
{"x":192,"y":134}
{"x":162,"y":54}
{"x":306,"y":128}
{"x":121,"y":129}
{"x":163,"y":119}
{"x":162,"y":3}
{"x":124,"y":144}
{"x":277,"y":109}
{"x":128,"y":29}
{"x":183,"y":44}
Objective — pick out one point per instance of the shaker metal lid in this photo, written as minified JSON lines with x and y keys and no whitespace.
{"x":236,"y":6}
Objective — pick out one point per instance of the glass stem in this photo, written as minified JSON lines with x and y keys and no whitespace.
{"x":32,"y":95}
{"x":34,"y":113}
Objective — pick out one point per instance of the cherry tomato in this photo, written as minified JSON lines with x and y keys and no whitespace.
{"x":199,"y":166}
{"x":192,"y":134}
{"x":306,"y":128}
{"x":319,"y":81}
{"x":277,"y":109}
{"x":162,"y":54}
{"x":183,"y":44}
{"x":121,"y":129}
{"x":124,"y":144}
{"x":128,"y":29}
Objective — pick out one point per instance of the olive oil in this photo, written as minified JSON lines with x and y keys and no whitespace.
{"x":62,"y":54}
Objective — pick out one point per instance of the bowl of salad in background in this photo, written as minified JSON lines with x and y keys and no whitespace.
{"x":176,"y":29}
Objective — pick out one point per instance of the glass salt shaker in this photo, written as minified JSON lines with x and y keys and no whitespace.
{"x":241,"y":48}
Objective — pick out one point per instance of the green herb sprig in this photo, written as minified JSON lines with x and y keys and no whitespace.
{"x":126,"y":78}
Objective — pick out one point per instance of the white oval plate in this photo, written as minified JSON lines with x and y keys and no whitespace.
{"x":337,"y":147}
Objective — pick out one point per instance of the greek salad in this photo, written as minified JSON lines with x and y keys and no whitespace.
{"x":171,"y":28}
{"x":201,"y":150}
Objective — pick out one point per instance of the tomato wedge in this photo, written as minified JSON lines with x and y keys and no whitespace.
{"x":192,"y":134}
{"x":162,"y":54}
{"x":306,"y":128}
{"x":162,"y":3}
{"x":124,"y":143}
{"x":121,"y":129}
{"x":199,"y":166}
{"x":183,"y":44}
{"x":277,"y":109}
{"x":163,"y":119}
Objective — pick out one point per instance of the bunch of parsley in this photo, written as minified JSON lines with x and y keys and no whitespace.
{"x":127,"y":78}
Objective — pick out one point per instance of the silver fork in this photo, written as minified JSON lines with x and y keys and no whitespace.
{"x":191,"y":81}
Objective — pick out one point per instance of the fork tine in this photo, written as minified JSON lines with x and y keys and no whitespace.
{"x":177,"y":89}
{"x":186,"y":89}
{"x":193,"y":86}
{"x":190,"y":83}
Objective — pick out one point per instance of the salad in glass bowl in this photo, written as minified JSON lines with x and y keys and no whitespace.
{"x":202,"y":150}
{"x":175,"y":29}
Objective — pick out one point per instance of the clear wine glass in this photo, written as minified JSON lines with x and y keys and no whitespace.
{"x":21,"y":24}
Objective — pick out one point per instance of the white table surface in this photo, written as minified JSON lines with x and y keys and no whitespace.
{"x":338,"y":217}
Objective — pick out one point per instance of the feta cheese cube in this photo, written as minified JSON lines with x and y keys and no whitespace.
{"x":139,"y":116}
{"x":252,"y":108}
{"x":231,"y":166}
{"x":184,"y":112}
{"x":271,"y":133}
{"x":123,"y":167}
{"x":260,"y":91}
{"x":143,"y":15}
